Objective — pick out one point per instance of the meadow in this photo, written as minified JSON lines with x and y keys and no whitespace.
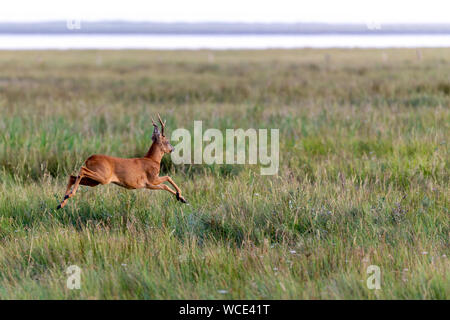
{"x":363,"y":177}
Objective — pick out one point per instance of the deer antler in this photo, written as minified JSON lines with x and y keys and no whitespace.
{"x":156,"y":129}
{"x":153,"y":122}
{"x":163,"y":124}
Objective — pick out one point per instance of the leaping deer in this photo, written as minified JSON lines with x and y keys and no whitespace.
{"x":134,"y":173}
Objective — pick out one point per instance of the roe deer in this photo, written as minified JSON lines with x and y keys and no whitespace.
{"x":132,"y":173}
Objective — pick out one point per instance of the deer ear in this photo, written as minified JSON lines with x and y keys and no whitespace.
{"x":156,"y":133}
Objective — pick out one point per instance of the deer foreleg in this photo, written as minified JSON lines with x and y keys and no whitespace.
{"x":167,"y":188}
{"x":161,"y":187}
{"x":160,"y":180}
{"x":163,"y":179}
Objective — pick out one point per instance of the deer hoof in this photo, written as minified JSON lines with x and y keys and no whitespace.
{"x":180,"y":198}
{"x":58,"y":207}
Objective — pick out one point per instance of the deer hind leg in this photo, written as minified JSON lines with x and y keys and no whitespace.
{"x":85,"y":181}
{"x":86,"y":177}
{"x":72,"y":180}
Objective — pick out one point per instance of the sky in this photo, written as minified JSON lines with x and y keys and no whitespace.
{"x":337,"y":11}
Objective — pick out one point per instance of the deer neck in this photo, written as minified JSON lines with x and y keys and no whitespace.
{"x":155,"y":153}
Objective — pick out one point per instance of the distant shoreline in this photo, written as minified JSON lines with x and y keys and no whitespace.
{"x":73,"y":27}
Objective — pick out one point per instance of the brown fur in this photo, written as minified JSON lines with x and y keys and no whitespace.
{"x":134,"y":173}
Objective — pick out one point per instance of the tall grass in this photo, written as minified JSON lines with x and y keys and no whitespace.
{"x":363,"y":179}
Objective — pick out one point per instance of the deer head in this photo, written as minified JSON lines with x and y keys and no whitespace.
{"x":159,"y":137}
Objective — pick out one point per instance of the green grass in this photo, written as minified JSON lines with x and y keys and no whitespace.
{"x":363,"y":179}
